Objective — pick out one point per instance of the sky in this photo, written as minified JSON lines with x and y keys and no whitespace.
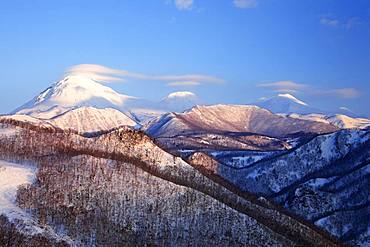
{"x":225,"y":51}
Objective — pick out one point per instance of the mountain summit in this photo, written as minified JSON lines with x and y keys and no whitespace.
{"x":71,"y":92}
{"x":179,"y":101}
{"x":286,"y":103}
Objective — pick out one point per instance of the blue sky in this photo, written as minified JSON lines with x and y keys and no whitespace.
{"x":317,"y":50}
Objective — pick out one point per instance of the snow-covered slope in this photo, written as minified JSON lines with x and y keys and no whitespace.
{"x":82,"y":120}
{"x":11,"y":177}
{"x":232,"y":118}
{"x":90,"y":119}
{"x":72,"y":92}
{"x":286,"y":103}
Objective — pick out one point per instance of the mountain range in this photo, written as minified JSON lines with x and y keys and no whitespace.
{"x":80,"y":90}
{"x":83,"y":165}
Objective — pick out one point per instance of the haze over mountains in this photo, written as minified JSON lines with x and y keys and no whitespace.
{"x":275,"y":173}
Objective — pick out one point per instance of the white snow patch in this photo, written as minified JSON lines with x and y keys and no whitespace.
{"x":7,"y":131}
{"x":11,"y":177}
{"x":291,"y":97}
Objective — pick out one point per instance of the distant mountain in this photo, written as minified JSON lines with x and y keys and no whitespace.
{"x":339,"y":120}
{"x":144,"y":111}
{"x":286,"y":103}
{"x":179,"y":101}
{"x":232,"y":118}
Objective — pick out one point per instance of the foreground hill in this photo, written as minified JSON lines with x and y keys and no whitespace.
{"x":109,"y":190}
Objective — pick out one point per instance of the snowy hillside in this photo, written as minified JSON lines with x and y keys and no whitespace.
{"x":324,"y":181}
{"x":109,"y":189}
{"x":11,"y":177}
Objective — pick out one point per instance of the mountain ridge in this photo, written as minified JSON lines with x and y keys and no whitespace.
{"x":233,"y":118}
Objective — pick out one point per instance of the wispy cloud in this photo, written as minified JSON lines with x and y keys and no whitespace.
{"x":106,"y":74}
{"x":293,"y":87}
{"x":346,"y":93}
{"x":329,"y":22}
{"x":184,"y":4}
{"x":245,"y":4}
{"x":336,"y":23}
{"x":183,"y":83}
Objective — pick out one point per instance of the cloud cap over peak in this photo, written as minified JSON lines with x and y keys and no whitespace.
{"x":284,"y":86}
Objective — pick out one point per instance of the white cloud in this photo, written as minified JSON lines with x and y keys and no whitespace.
{"x":105,"y":74}
{"x":96,"y":72}
{"x":344,"y":24}
{"x":184,"y":4}
{"x":293,"y":87}
{"x":245,"y":4}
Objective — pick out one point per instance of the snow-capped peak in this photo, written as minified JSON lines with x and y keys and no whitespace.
{"x":291,"y":97}
{"x":73,"y":91}
{"x":179,"y":101}
{"x":286,"y":104}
